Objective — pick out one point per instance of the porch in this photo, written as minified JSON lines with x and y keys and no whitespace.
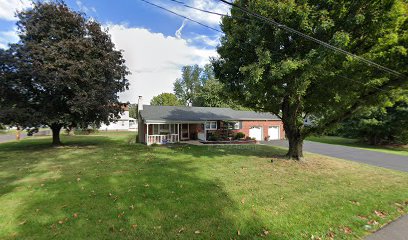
{"x":163,"y":133}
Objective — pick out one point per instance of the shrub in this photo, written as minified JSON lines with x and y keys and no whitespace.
{"x":239,"y":135}
{"x":85,"y":131}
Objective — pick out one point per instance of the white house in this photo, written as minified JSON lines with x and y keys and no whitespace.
{"x":123,"y":123}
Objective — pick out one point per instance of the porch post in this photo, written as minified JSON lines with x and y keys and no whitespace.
{"x":188,"y":130}
{"x":205,"y":131}
{"x":147,"y":135}
{"x":178,"y":131}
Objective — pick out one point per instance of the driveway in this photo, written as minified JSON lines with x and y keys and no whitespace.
{"x":379,"y":159}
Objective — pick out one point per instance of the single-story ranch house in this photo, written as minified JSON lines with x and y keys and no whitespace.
{"x":170,"y":124}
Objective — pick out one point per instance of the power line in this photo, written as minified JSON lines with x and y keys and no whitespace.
{"x":225,"y":15}
{"x":170,"y":11}
{"x":282,"y":26}
{"x":199,"y":9}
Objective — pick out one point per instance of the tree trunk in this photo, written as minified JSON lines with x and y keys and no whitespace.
{"x":293,"y":125}
{"x":295,"y":147}
{"x":56,"y":128}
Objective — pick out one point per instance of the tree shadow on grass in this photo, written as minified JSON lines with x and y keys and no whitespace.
{"x":120,"y":191}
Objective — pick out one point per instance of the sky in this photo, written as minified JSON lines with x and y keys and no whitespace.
{"x":155,"y":43}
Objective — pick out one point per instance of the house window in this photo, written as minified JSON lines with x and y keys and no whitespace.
{"x":123,"y":123}
{"x":164,"y":129}
{"x":155,"y":129}
{"x":233,"y":125}
{"x":211,"y":125}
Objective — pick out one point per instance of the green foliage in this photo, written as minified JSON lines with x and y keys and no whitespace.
{"x":133,"y":111}
{"x":186,"y":87}
{"x":269,"y":69}
{"x":387,"y":125}
{"x":239,"y":135}
{"x":64,"y":71}
{"x":85,"y":131}
{"x":165,"y":99}
{"x":2,"y":127}
{"x":199,"y":87}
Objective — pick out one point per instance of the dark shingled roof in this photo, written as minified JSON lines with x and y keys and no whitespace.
{"x":173,"y":113}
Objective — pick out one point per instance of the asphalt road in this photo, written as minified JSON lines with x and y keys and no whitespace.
{"x":391,"y":161}
{"x":10,"y":137}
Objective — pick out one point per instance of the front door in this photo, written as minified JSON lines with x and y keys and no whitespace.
{"x":185,"y":132}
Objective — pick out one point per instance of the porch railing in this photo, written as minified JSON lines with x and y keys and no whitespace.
{"x":162,"y":139}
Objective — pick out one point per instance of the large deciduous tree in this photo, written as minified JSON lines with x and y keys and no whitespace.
{"x":186,"y":87}
{"x":64,"y":71}
{"x":387,"y":124}
{"x":269,"y":69}
{"x":165,"y":99}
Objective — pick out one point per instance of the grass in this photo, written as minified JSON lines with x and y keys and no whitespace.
{"x":103,"y":187}
{"x":399,"y":150}
{"x":10,"y":132}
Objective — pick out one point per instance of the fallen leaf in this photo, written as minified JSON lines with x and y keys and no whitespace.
{"x":330,"y":235}
{"x":134,"y":226}
{"x":362,"y":217}
{"x":380,"y":214}
{"x":265,"y":232}
{"x":75,"y":215}
{"x":197,"y":232}
{"x":372,"y":222}
{"x":78,"y":179}
{"x":243,"y":200}
{"x":23,"y":222}
{"x":355,"y":202}
{"x":238,"y":233}
{"x":181,"y":230}
{"x":60,"y":222}
{"x":347,"y":230}
{"x":121,"y":214}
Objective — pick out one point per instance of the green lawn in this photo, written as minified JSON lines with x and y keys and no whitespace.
{"x":10,"y":132}
{"x":399,"y":150}
{"x":105,"y":187}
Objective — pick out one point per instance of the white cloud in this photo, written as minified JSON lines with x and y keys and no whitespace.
{"x":7,"y":37}
{"x":154,"y":60}
{"x":84,"y":8}
{"x":206,"y":18}
{"x":206,"y":40}
{"x":8,"y":8}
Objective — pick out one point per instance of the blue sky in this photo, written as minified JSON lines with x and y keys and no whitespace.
{"x":156,"y":43}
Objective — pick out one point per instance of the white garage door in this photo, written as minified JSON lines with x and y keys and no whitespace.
{"x":273,"y":132}
{"x":256,"y":132}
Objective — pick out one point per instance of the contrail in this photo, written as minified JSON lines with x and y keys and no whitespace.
{"x":178,"y":32}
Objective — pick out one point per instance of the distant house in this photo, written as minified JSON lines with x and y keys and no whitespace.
{"x":123,"y":123}
{"x":162,"y":124}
